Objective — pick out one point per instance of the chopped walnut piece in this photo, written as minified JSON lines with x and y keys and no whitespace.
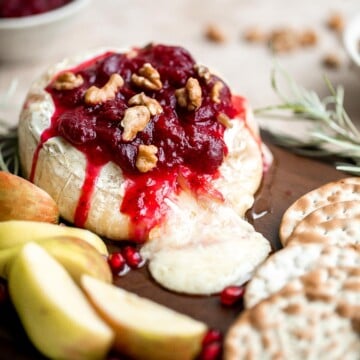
{"x":254,"y":35}
{"x":203,"y":72}
{"x":146,"y":159}
{"x":331,"y":61}
{"x":215,"y":91}
{"x":135,"y":119}
{"x":190,"y":96}
{"x":68,"y":81}
{"x":152,"y":104}
{"x":336,"y":22}
{"x":308,"y":38}
{"x":148,"y":77}
{"x":95,"y":95}
{"x":224,"y":120}
{"x":215,"y":34}
{"x":283,"y":40}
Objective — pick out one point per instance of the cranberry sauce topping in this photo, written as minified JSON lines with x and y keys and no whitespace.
{"x":183,"y":133}
{"x":20,"y":8}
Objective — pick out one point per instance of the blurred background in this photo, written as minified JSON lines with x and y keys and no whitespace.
{"x":230,"y":36}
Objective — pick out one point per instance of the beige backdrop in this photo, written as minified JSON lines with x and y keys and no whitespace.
{"x":246,"y":67}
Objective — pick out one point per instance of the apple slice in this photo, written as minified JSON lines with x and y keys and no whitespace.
{"x":53,"y":310}
{"x":15,"y":232}
{"x":144,"y":329}
{"x":22,"y":200}
{"x":77,"y":256}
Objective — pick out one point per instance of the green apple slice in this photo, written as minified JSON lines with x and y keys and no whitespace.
{"x":53,"y":310}
{"x":15,"y":232}
{"x":144,"y":329}
{"x":77,"y":256}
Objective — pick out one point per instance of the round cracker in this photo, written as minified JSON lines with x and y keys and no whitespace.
{"x":337,"y":210}
{"x":338,"y":232}
{"x":302,"y":321}
{"x":351,"y":180}
{"x":292,"y":262}
{"x":329,"y":193}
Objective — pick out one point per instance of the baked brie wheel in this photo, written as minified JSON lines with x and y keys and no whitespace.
{"x":127,"y":142}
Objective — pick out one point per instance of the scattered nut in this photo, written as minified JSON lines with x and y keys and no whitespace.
{"x":203,"y":72}
{"x":254,"y":35}
{"x":68,"y":81}
{"x":215,"y":91}
{"x":95,"y":95}
{"x":190,"y":96}
{"x":283,"y":40}
{"x":331,"y":61}
{"x":308,"y":38}
{"x":336,"y":22}
{"x":146,"y":159}
{"x":152,"y":104}
{"x":148,"y":78}
{"x":215,"y":34}
{"x":224,"y":120}
{"x":135,"y":119}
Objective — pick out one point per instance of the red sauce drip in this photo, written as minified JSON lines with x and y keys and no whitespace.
{"x":45,"y":136}
{"x":83,"y":208}
{"x":190,"y":144}
{"x":20,"y":8}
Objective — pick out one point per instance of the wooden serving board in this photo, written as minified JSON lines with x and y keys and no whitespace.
{"x":290,"y":177}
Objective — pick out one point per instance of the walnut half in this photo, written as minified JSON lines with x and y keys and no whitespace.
{"x":68,"y":81}
{"x":148,"y":77}
{"x":190,"y":96}
{"x":95,"y":95}
{"x":152,"y":104}
{"x":146,"y":159}
{"x":135,"y":119}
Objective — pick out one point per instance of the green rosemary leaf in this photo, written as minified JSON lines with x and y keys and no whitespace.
{"x":331,"y":131}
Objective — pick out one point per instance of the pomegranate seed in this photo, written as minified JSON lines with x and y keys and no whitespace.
{"x":211,"y":351}
{"x":132,"y":257}
{"x":212,"y":336}
{"x":231,"y":295}
{"x":117,"y":263}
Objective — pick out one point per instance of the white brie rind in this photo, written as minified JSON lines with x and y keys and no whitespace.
{"x":61,"y":167}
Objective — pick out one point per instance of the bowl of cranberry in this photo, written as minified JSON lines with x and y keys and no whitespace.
{"x":29,"y":28}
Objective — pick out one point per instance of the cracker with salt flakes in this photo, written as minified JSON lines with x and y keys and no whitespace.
{"x":338,"y":232}
{"x":336,"y":210}
{"x":292,"y":262}
{"x":303,"y":320}
{"x":329,"y":193}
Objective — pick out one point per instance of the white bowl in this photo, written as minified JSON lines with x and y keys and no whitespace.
{"x":32,"y":37}
{"x":352,"y":39}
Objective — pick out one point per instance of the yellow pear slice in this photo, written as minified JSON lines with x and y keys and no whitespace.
{"x":53,"y":310}
{"x":144,"y":329}
{"x":15,"y":232}
{"x":77,"y":256}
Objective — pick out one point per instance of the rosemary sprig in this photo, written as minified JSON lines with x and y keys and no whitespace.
{"x":330,"y":131}
{"x":9,"y":158}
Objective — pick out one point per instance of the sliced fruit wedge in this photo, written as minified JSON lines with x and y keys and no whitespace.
{"x":77,"y":256}
{"x":54,"y":311}
{"x":144,"y":329}
{"x":22,"y":200}
{"x":15,"y":232}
